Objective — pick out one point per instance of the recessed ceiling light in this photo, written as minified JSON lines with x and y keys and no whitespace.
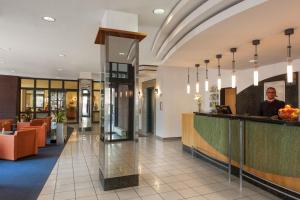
{"x":57,"y":77}
{"x":59,"y":69}
{"x":49,"y":19}
{"x":252,"y":61}
{"x":121,"y":53}
{"x":13,"y":71}
{"x":62,"y":55}
{"x":158,"y":11}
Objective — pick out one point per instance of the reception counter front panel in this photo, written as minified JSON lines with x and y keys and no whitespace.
{"x":271,"y":148}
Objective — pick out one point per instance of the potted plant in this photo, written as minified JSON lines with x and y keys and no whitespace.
{"x":198,"y":99}
{"x":60,"y":119}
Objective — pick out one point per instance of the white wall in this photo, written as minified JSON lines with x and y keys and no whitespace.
{"x":171,"y":81}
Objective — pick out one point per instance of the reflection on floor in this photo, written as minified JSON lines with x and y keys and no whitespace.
{"x":166,"y":173}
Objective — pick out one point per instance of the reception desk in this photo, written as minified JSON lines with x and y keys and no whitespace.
{"x":271,"y":148}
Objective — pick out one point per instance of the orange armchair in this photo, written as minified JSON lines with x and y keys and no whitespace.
{"x":40,"y":130}
{"x":23,"y":143}
{"x":6,"y":124}
{"x":46,"y":120}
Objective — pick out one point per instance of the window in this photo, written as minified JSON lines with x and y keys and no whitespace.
{"x":26,"y":102}
{"x":42,"y":83}
{"x":56,"y":84}
{"x":71,"y":85}
{"x":27,"y":83}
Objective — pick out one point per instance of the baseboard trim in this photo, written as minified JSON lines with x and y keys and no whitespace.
{"x":168,"y":138}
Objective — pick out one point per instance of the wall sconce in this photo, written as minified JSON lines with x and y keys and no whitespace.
{"x":156,"y":91}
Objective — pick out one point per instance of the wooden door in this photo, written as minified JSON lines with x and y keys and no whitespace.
{"x":230,"y":99}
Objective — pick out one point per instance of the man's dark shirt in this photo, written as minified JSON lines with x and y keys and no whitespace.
{"x":270,"y":108}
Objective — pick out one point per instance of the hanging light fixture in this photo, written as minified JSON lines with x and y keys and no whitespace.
{"x":233,"y":76}
{"x":255,"y":61}
{"x":219,"y":56}
{"x":197,"y":83}
{"x":206,"y":75}
{"x":188,"y":86}
{"x":289,"y":67}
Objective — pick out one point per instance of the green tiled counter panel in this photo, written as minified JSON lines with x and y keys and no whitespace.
{"x":215,"y":131}
{"x":270,"y":148}
{"x":273,"y":148}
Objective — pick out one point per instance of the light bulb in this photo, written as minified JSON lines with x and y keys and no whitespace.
{"x":206,"y":85}
{"x":197,"y":87}
{"x":188,"y":88}
{"x":233,"y":81}
{"x":289,"y":70}
{"x":255,"y":78}
{"x":219,"y":83}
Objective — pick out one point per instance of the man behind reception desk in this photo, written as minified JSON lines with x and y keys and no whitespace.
{"x":270,"y":107}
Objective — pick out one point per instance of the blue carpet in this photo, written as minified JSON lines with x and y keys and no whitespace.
{"x":24,"y":179}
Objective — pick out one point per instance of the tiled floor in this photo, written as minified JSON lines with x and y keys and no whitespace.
{"x":166,"y":173}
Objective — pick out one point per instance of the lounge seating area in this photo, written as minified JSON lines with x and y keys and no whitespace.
{"x":25,"y":140}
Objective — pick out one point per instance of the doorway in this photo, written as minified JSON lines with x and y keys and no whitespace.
{"x":228,"y":98}
{"x":150,"y":110}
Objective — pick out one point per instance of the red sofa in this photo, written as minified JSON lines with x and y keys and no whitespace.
{"x":23,"y":143}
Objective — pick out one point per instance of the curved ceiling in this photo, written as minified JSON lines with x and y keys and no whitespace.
{"x":237,"y":26}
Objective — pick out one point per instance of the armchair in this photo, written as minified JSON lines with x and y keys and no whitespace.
{"x":41,"y":132}
{"x":23,"y":143}
{"x":6,"y":124}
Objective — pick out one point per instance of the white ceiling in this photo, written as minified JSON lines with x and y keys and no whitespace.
{"x":266,"y":21}
{"x":34,"y":44}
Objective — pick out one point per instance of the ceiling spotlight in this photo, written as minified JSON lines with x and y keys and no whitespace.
{"x":49,"y":19}
{"x":62,"y":55}
{"x":158,"y":11}
{"x":59,"y":69}
{"x":121,"y":53}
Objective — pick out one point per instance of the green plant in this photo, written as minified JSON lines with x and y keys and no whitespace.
{"x":27,"y":115}
{"x":60,"y":116}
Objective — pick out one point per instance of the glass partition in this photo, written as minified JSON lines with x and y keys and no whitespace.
{"x":118,"y":113}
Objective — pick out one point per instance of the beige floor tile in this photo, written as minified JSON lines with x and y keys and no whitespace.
{"x":173,"y":195}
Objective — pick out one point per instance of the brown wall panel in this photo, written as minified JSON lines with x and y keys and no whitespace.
{"x":9,"y":96}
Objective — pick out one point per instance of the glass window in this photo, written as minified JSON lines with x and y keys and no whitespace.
{"x":96,"y":100}
{"x":71,"y":84}
{"x":42,"y":83}
{"x":71,"y":106}
{"x":26,"y":102}
{"x":41,"y":101}
{"x":123,"y":67}
{"x":97,"y":86}
{"x":27,"y":83}
{"x":114,"y":67}
{"x":56,"y":84}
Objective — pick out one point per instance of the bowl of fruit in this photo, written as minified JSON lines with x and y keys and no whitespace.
{"x":289,"y":113}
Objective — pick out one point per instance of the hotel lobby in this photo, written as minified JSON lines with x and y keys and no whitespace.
{"x":150,"y":100}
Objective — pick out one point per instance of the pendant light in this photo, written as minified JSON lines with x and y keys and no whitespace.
{"x":233,"y":76}
{"x":206,"y":75}
{"x":255,"y":59}
{"x":289,"y":67}
{"x":219,"y":56}
{"x":197,"y":83}
{"x":188,"y":86}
